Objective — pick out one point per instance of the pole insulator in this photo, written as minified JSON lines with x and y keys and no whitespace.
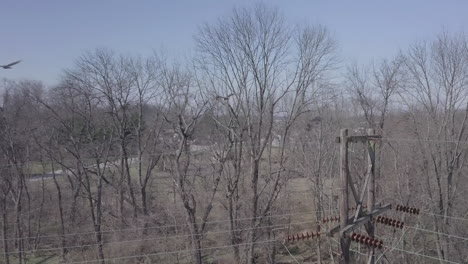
{"x":389,"y":221}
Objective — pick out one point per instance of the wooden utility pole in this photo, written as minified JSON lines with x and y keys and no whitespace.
{"x":348,"y":224}
{"x":344,"y":241}
{"x":371,"y":189}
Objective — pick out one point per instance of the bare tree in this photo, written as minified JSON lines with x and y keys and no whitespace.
{"x":257,"y":65}
{"x":436,"y":96}
{"x":147,"y":125}
{"x":88,"y":139}
{"x":6,"y":187}
{"x":185,"y":109}
{"x":17,"y":126}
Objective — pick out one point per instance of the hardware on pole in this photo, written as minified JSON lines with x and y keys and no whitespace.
{"x":348,"y":224}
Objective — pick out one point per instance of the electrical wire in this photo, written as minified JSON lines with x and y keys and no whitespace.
{"x":108,"y":159}
{"x":165,"y":226}
{"x":172,"y":252}
{"x":391,"y":248}
{"x":423,"y":140}
{"x":156,"y":238}
{"x":172,"y":152}
{"x":435,"y":232}
{"x":422,"y":255}
{"x":295,"y":260}
{"x":450,"y":217}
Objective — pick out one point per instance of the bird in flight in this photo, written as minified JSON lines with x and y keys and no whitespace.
{"x":8,"y":66}
{"x":225,"y":98}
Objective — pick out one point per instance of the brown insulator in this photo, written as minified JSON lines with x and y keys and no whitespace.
{"x":375,"y":243}
{"x":362,"y":239}
{"x":380,"y":244}
{"x":367,"y":241}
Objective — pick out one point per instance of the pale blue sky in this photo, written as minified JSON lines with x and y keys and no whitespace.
{"x":48,"y":35}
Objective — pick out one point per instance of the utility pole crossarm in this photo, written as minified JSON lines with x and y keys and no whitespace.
{"x":357,"y":139}
{"x":360,"y":221}
{"x":364,"y":219}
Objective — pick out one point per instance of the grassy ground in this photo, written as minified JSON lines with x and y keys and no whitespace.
{"x":296,"y":198}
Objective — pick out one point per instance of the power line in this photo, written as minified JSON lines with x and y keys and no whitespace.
{"x":435,"y":232}
{"x":422,"y":255}
{"x":155,"y":238}
{"x":409,"y":252}
{"x":424,"y":140}
{"x":360,"y":253}
{"x":108,"y":159}
{"x":290,"y":253}
{"x":165,"y":226}
{"x":112,"y":242}
{"x":173,"y":252}
{"x":450,"y":217}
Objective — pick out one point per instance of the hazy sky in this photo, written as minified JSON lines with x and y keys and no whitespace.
{"x":48,"y":35}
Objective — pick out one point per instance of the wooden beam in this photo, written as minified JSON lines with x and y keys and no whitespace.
{"x":361,"y":197}
{"x":363,"y":139}
{"x":375,"y":212}
{"x":371,"y":190}
{"x":364,"y":219}
{"x":344,"y":240}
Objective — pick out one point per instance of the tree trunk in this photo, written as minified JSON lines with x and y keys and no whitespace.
{"x":232,"y":227}
{"x":60,"y":207}
{"x":252,"y":236}
{"x":129,"y":181}
{"x":6,"y":255}
{"x":196,"y":236}
{"x":19,"y":231}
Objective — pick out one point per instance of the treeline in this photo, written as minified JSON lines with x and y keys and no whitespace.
{"x":152,"y":151}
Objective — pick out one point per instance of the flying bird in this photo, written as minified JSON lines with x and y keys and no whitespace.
{"x":8,"y":66}
{"x":219,"y":97}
